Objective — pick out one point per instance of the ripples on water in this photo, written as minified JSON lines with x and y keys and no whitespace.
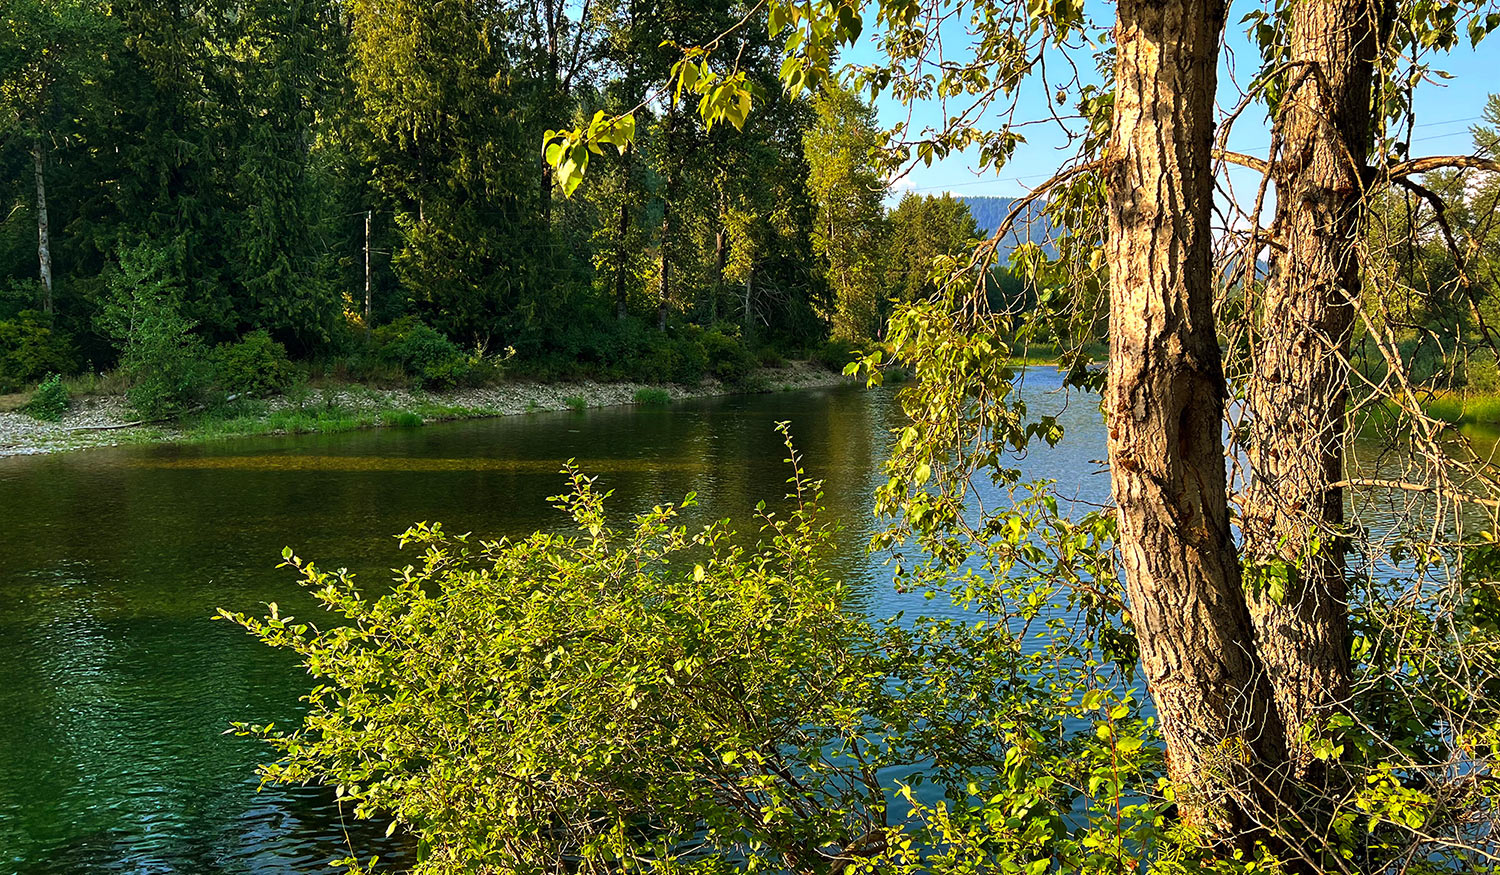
{"x":116,"y":687}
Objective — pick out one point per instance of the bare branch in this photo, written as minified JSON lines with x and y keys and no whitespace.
{"x":1257,"y":164}
{"x":1399,"y":172}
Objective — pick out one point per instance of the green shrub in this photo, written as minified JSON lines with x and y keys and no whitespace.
{"x":835,"y":354}
{"x":769,"y":357}
{"x":427,"y":355}
{"x":159,"y":353}
{"x":652,"y":397}
{"x":576,"y":402}
{"x":729,"y":360}
{"x":1481,"y":375}
{"x":594,"y":698}
{"x":255,"y":367}
{"x":31,"y":347}
{"x":669,"y":358}
{"x":1482,"y":408}
{"x":50,"y":400}
{"x":1446,"y":408}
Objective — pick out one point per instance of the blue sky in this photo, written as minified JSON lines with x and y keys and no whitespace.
{"x":1446,"y":109}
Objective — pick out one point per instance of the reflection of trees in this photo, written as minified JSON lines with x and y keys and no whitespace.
{"x":116,"y":685}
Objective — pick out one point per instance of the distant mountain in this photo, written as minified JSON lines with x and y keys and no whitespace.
{"x":1030,"y":226}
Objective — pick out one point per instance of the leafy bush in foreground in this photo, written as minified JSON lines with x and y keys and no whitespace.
{"x":665,"y":702}
{"x":570,"y":702}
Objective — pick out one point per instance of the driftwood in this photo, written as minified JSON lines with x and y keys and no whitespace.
{"x":119,"y":425}
{"x":140,"y":422}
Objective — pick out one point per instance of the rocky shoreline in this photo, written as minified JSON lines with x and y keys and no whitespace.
{"x":101,"y":421}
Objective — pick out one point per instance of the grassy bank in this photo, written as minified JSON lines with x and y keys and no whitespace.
{"x":1472,"y":409}
{"x":1037,"y":354}
{"x":315,"y":416}
{"x":100,"y":419}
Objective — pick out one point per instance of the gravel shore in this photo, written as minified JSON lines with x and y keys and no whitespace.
{"x":106,"y":420}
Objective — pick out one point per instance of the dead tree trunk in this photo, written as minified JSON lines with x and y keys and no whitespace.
{"x":721,"y":256}
{"x":668,"y":191}
{"x":43,"y":230}
{"x":749,"y":322}
{"x":665,"y":289}
{"x":369,"y":220}
{"x":1294,"y":515}
{"x":1164,"y":403}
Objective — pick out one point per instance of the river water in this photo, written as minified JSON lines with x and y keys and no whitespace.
{"x":116,"y":686}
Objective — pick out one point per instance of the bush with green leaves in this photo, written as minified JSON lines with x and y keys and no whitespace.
{"x":575,"y":702}
{"x":427,"y":355}
{"x":254,"y":367}
{"x":50,"y":400}
{"x":835,"y":355}
{"x":668,"y":358}
{"x":662,"y":701}
{"x":160,"y":354}
{"x":729,"y":359}
{"x":32,"y":346}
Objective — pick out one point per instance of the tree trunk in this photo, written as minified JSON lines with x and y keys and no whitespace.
{"x":545,"y":188}
{"x":749,"y":324}
{"x":721,"y":246}
{"x":1164,"y":406}
{"x":666,"y":271}
{"x":1300,"y":383}
{"x":43,"y":230}
{"x":666,"y":231}
{"x":369,"y":220}
{"x":622,"y":268}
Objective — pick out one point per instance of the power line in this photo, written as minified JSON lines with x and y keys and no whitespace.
{"x":1042,"y":176}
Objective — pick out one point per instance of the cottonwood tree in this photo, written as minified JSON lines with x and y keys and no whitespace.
{"x":1244,"y":673}
{"x":1165,"y":393}
{"x":847,"y":189}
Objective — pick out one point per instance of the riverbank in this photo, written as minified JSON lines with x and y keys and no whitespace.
{"x":106,"y":420}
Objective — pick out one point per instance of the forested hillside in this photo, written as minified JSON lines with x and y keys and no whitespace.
{"x":1030,"y":224}
{"x":360,"y":187}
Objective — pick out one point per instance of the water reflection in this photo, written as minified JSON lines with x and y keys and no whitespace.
{"x":116,"y":687}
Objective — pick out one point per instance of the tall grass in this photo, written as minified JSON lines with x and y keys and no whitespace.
{"x":652,"y":397}
{"x":254,"y":418}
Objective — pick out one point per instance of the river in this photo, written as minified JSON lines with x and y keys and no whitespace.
{"x":116,"y":686}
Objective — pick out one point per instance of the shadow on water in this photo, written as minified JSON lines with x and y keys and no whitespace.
{"x":116,"y":686}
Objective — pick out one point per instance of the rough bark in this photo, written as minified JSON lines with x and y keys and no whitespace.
{"x":1164,"y":402}
{"x":665,"y":289}
{"x":721,"y":256}
{"x":1293,"y":521}
{"x":665,"y":273}
{"x":43,"y":230}
{"x":369,"y":220}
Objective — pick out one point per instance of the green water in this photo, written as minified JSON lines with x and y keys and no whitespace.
{"x":116,"y":686}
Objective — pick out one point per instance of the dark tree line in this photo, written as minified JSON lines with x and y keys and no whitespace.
{"x":312,"y":169}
